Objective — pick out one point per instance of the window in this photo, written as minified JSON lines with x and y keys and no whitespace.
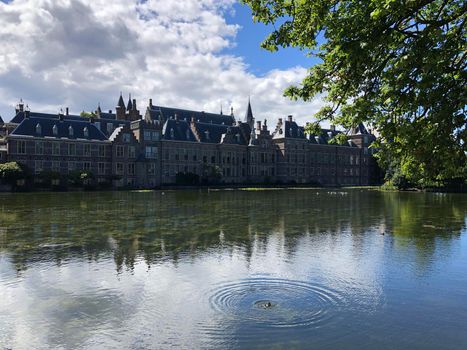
{"x":101,"y":151}
{"x":71,"y":166}
{"x":172,"y":133}
{"x":38,"y":129}
{"x":87,"y":150}
{"x":187,"y":134}
{"x":131,"y":152}
{"x":120,"y":151}
{"x":21,"y":147}
{"x":147,"y":135}
{"x":119,"y":168}
{"x":70,"y":131}
{"x":110,"y":128}
{"x":71,"y":149}
{"x":39,"y":147}
{"x":155,"y":136}
{"x":86,"y":132}
{"x":126,"y":138}
{"x":38,"y":166}
{"x":55,"y":148}
{"x":55,"y":166}
{"x":151,"y":168}
{"x":87,"y":166}
{"x":55,"y":130}
{"x":151,"y":152}
{"x":131,"y":169}
{"x":101,"y":168}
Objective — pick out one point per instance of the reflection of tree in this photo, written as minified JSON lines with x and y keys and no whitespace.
{"x":425,"y":221}
{"x":174,"y":225}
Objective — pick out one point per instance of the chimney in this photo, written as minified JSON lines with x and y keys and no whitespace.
{"x":134,"y":104}
{"x":265,"y":125}
{"x":26,"y":112}
{"x":290,"y":118}
{"x":258,"y":125}
{"x":176,"y":117}
{"x":110,"y":111}
{"x":150,"y":103}
{"x":21,"y":105}
{"x":60,"y":117}
{"x":280,"y":121}
{"x":67,"y":111}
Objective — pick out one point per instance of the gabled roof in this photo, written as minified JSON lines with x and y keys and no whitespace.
{"x":177,"y":130}
{"x":28,"y":127}
{"x":359,"y":130}
{"x":1,"y":120}
{"x":166,"y":113}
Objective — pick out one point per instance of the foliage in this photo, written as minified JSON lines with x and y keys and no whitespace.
{"x":399,"y":66}
{"x":186,"y":178}
{"x":11,"y":172}
{"x":80,"y":177}
{"x":212,"y":174}
{"x":88,"y":114}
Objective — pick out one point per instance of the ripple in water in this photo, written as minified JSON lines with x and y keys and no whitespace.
{"x":273,"y":302}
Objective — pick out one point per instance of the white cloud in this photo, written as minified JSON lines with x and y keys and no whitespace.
{"x":75,"y":53}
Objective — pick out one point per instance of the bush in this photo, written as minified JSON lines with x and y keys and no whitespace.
{"x":11,"y":172}
{"x":187,"y":179}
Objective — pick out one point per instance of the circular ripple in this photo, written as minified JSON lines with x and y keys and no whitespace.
{"x":271,"y":302}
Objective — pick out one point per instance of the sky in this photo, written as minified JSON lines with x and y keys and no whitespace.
{"x":192,"y":54}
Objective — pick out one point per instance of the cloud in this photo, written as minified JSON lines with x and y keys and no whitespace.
{"x":77,"y":53}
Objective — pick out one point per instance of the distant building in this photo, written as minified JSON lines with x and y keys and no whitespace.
{"x":144,"y":151}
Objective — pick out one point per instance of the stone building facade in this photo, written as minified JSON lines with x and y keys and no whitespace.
{"x":128,"y":149}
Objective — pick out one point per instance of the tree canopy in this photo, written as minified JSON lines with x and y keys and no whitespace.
{"x":397,"y":65}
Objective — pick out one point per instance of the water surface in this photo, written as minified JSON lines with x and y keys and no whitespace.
{"x":324,"y":269}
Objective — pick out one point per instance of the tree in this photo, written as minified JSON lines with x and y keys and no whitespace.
{"x":11,"y":172}
{"x":397,"y":65}
{"x":88,"y":114}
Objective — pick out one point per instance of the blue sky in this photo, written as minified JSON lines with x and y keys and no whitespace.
{"x":193,"y":54}
{"x":248,"y":41}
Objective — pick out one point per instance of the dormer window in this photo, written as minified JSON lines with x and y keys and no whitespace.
{"x":238,"y":138}
{"x":317,"y":139}
{"x":55,"y":130}
{"x":187,"y":134}
{"x":86,"y":131}
{"x":172,"y":133}
{"x":38,"y":129}
{"x":290,"y":132}
{"x":70,"y":131}
{"x":206,"y":134}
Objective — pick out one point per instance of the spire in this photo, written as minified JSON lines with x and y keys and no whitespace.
{"x":221,"y":109}
{"x":129,"y":106}
{"x":99,"y":111}
{"x":121,"y":104}
{"x":249,"y":115}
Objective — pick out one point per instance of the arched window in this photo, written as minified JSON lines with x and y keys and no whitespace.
{"x":55,"y":130}
{"x":70,"y":131}
{"x":172,"y":133}
{"x":86,"y":131}
{"x":38,"y":129}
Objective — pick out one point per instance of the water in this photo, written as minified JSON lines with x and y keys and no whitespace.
{"x":294,"y":269}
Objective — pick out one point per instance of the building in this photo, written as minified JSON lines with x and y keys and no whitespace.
{"x":127,"y":149}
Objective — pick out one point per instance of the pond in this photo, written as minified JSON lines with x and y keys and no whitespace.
{"x":292,"y":269}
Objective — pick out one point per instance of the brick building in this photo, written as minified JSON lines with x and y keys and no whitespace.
{"x":143,"y":151}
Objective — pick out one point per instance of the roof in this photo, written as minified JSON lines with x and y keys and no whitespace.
{"x":29,"y":126}
{"x":165,"y":113}
{"x":178,"y":130}
{"x":1,"y":120}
